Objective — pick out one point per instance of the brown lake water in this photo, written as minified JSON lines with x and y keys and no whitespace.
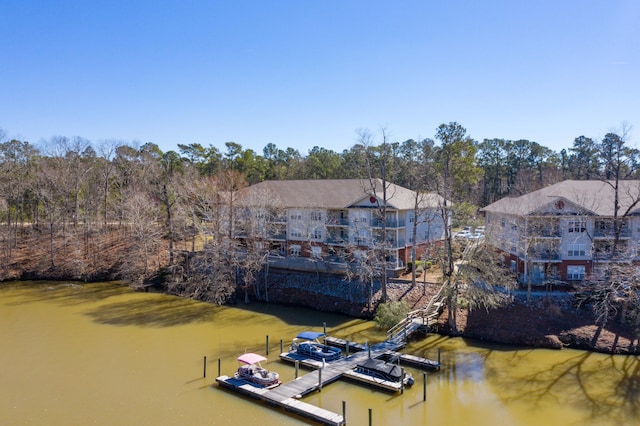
{"x":100,"y":354}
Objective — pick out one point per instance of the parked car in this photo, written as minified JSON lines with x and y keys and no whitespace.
{"x":465,"y":233}
{"x":476,"y":235}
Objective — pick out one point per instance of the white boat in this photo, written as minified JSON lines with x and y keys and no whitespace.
{"x":307,"y":344}
{"x":251,"y":371}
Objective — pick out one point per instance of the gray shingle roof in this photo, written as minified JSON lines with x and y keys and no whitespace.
{"x":595,"y":196}
{"x":332,"y":193}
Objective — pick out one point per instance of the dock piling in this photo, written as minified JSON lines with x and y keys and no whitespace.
{"x":267,"y":346}
{"x":344,"y":412}
{"x":281,"y":347}
{"x":219,"y":367}
{"x":204,"y":374}
{"x":438,"y":358}
{"x":370,"y":416}
{"x":424,"y":385}
{"x":297,"y":367}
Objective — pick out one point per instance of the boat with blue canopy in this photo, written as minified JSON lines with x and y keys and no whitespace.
{"x":307,"y":344}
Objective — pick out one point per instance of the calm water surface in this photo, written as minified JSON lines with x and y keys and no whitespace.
{"x":99,"y":354}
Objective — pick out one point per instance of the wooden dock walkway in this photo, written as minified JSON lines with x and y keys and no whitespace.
{"x":287,"y":394}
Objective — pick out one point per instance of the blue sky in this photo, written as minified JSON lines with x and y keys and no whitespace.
{"x":311,"y":73}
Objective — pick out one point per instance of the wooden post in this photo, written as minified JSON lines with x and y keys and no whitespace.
{"x":281,"y":348}
{"x":218,"y":367}
{"x":347,"y":348}
{"x":424,"y":385}
{"x":204,"y":374}
{"x":324,"y":328}
{"x":320,"y":378}
{"x":438,"y":358}
{"x":344,"y":412}
{"x":267,"y":345}
{"x":369,"y":350}
{"x":370,"y":416}
{"x":297,"y":366}
{"x":402,"y":381}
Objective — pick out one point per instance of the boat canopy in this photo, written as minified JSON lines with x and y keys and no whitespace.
{"x":390,"y":370}
{"x":309,"y":335}
{"x":251,"y":358}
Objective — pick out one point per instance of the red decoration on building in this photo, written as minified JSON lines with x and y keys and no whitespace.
{"x":559,"y":204}
{"x":372,"y":199}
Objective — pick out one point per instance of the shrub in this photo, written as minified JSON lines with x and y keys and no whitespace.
{"x":390,"y":313}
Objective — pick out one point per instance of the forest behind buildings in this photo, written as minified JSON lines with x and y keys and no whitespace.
{"x":113,"y":209}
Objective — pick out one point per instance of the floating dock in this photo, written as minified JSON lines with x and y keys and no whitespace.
{"x":369,"y":380}
{"x":291,"y":405}
{"x":287,"y":394}
{"x":352,"y":347}
{"x":412,"y":361}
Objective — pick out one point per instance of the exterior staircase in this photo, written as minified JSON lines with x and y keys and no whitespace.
{"x":418,"y":318}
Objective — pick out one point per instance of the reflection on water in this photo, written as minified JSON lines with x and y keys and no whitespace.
{"x":101,"y":354}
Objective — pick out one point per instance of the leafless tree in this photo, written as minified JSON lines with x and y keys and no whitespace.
{"x":141,"y":216}
{"x":379,"y":188}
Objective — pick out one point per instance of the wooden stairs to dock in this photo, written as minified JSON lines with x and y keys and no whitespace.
{"x":419,"y":318}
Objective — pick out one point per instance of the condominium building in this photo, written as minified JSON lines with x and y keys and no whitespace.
{"x":568,"y":230}
{"x":329,"y":223}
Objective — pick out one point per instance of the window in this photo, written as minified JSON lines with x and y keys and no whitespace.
{"x":316,"y":252}
{"x":575,"y":272}
{"x":295,"y":216}
{"x":577,"y":226}
{"x":316,"y":234}
{"x":294,"y":250}
{"x":316,"y":216}
{"x":512,"y":266}
{"x":577,"y":250}
{"x":503,"y":222}
{"x":295,"y":233}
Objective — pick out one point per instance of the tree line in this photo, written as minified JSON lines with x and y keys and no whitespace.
{"x":78,"y":192}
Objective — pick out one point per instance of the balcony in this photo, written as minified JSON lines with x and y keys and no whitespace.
{"x":391,"y":242}
{"x":337,"y":221}
{"x":544,"y":232}
{"x":390,"y":223}
{"x":337,"y":240}
{"x":609,"y":233}
{"x":278,"y":219}
{"x":545,"y":256}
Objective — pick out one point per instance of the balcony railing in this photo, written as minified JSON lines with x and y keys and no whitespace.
{"x":550,"y":232}
{"x":610,"y":233}
{"x":543,"y":255}
{"x":337,"y":240}
{"x":277,"y":235}
{"x":390,"y":223}
{"x":391,"y":242}
{"x":337,"y":221}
